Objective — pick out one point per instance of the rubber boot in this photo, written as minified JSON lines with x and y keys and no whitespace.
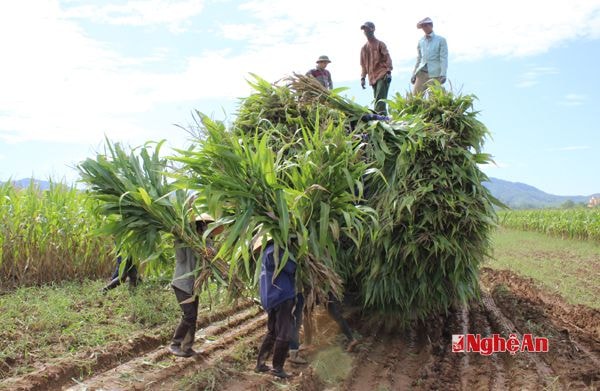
{"x":134,"y":278}
{"x":188,"y":341}
{"x":279,"y":354}
{"x":180,"y":344}
{"x":112,"y":285}
{"x":263,"y":354}
{"x":296,"y":358}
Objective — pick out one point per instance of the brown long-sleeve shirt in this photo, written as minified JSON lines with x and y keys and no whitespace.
{"x":375,"y":60}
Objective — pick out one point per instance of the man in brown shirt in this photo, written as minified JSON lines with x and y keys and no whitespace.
{"x":376,"y":62}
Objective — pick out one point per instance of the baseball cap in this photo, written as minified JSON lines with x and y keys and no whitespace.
{"x":368,"y":25}
{"x":424,"y":21}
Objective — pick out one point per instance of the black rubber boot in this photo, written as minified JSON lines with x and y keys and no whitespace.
{"x":112,"y":285}
{"x":279,"y":355}
{"x":134,"y":278}
{"x":263,"y":354}
{"x":180,"y":332}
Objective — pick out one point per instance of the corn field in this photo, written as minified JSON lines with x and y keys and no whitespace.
{"x":577,"y":223}
{"x":49,"y":236}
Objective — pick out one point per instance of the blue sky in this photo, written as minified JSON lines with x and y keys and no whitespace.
{"x":74,"y":71}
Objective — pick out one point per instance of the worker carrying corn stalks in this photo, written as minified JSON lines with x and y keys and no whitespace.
{"x":277,"y":297}
{"x":183,"y":285}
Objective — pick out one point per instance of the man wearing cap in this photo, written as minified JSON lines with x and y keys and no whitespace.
{"x":322,"y":74}
{"x":376,"y":62}
{"x":432,"y":58}
{"x":183,"y":285}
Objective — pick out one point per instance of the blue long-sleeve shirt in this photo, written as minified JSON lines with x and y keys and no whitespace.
{"x":275,"y":292}
{"x":433,"y":53}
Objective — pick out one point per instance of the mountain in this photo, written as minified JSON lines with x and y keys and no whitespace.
{"x":513,"y":194}
{"x":25,"y":182}
{"x":521,"y":196}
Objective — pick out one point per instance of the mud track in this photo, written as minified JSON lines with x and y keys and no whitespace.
{"x":56,"y":374}
{"x":420,"y":358}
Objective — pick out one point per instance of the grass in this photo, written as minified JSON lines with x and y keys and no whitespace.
{"x":332,"y":365}
{"x":209,"y":379}
{"x":42,"y":324}
{"x":213,"y":377}
{"x":568,"y":267}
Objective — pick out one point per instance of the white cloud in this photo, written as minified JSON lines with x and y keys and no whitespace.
{"x":534,"y":76}
{"x":61,"y":83}
{"x":573,"y":100}
{"x":175,"y":15}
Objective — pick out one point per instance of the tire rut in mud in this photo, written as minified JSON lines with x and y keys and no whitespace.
{"x":159,"y":364}
{"x":504,"y":309}
{"x":55,"y":374}
{"x":573,"y":359}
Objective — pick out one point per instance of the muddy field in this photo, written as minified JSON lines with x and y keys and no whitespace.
{"x":419,"y":359}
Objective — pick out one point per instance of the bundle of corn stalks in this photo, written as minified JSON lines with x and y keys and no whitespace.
{"x":304,"y":194}
{"x":147,"y":211}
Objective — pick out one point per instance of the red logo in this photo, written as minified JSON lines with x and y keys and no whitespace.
{"x":465,"y":343}
{"x":458,"y":343}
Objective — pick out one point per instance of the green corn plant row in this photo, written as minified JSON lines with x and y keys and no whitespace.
{"x":48,"y":236}
{"x":577,"y":223}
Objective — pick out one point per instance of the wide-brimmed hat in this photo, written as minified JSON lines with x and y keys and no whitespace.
{"x":424,"y":21}
{"x":323,"y":58}
{"x":368,"y":25}
{"x":205,"y":217}
{"x":257,"y":242}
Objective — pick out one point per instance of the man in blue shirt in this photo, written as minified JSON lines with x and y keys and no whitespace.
{"x":432,"y":58}
{"x":277,"y":296}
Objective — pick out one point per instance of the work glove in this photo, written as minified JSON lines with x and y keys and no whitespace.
{"x":413,"y":79}
{"x":388,"y":77}
{"x":362,"y":82}
{"x":442,"y":79}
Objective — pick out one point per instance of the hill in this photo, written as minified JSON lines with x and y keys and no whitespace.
{"x":514,"y":194}
{"x":522,"y":196}
{"x":25,"y":182}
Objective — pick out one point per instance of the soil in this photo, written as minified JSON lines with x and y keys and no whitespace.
{"x":419,"y":358}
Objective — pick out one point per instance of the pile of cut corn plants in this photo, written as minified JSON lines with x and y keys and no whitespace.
{"x":394,"y":211}
{"x":435,"y":215}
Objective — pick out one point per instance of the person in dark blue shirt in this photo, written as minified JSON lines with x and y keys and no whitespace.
{"x":130,"y":271}
{"x":277,"y":296}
